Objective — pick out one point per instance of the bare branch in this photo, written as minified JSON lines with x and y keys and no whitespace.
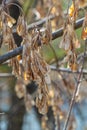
{"x":4,"y":75}
{"x":54,"y":68}
{"x":76,"y":91}
{"x":11,"y":54}
{"x":41,"y":22}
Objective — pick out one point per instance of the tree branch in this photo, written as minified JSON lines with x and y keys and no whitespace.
{"x":11,"y":54}
{"x":54,"y":68}
{"x":41,"y":22}
{"x":5,"y":75}
{"x":78,"y":84}
{"x":55,"y":35}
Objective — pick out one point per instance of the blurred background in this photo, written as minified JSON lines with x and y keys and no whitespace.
{"x":13,"y":114}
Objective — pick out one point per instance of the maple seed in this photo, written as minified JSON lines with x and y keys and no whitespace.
{"x":25,"y":76}
{"x":74,"y":67}
{"x":0,"y":24}
{"x":71,"y":10}
{"x":10,"y":21}
{"x":19,"y":57}
{"x":84,"y":33}
{"x":21,"y":26}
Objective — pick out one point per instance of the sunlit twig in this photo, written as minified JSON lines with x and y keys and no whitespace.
{"x":75,"y":92}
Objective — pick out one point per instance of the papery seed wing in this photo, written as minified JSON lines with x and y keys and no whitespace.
{"x":21,"y":26}
{"x":10,"y":21}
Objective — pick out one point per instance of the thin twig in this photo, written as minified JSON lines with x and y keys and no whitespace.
{"x":18,"y":50}
{"x":75,"y":92}
{"x":41,"y":22}
{"x":5,"y":75}
{"x":54,"y":68}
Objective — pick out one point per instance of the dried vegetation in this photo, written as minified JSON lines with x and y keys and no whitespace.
{"x":31,"y":66}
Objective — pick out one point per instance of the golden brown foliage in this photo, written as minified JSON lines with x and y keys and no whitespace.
{"x":31,"y":66}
